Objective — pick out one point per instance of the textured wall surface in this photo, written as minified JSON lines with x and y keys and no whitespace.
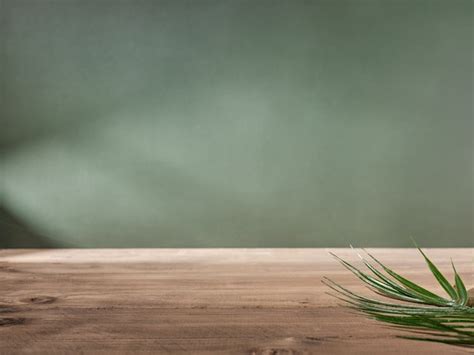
{"x":236,"y":123}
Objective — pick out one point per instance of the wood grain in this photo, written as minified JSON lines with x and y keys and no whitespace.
{"x":198,"y":301}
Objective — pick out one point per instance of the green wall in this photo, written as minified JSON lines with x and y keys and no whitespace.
{"x":236,"y":123}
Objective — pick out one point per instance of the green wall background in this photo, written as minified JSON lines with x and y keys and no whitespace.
{"x":236,"y":123}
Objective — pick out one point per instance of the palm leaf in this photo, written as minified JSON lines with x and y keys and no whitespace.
{"x":429,"y":316}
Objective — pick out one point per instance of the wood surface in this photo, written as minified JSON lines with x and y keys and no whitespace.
{"x":198,"y":301}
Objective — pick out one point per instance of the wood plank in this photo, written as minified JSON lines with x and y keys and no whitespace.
{"x":242,"y":301}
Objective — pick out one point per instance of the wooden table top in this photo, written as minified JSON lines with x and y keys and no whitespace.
{"x":196,"y":301}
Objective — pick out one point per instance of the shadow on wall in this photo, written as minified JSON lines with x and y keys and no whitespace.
{"x":16,"y":233}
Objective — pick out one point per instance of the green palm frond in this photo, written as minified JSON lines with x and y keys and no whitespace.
{"x":427,"y":315}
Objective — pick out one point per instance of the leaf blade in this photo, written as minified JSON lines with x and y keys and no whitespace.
{"x":440,"y":277}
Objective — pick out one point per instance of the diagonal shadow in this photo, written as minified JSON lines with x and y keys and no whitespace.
{"x":16,"y":233}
